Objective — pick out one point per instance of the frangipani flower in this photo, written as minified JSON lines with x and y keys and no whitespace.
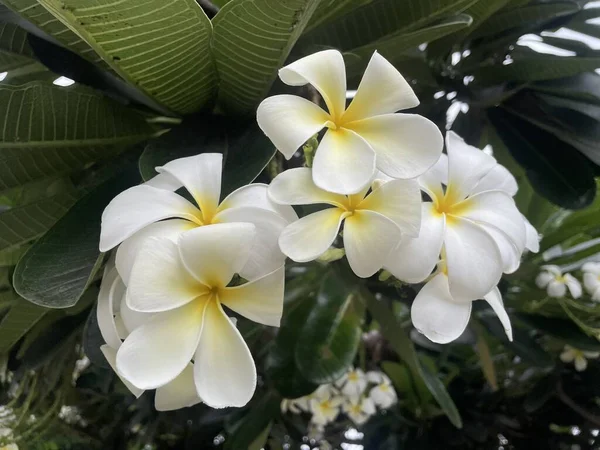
{"x":139,"y":212}
{"x":383,"y":394}
{"x":359,"y":408}
{"x":353,"y":383}
{"x":591,"y":279}
{"x":325,"y":407}
{"x":185,"y":285}
{"x":295,"y":405}
{"x":359,"y":139}
{"x":373,"y":223}
{"x":577,"y":357}
{"x":552,"y":279}
{"x":475,"y":226}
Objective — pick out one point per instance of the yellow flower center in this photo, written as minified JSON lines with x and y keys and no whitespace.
{"x":560,"y":279}
{"x":353,"y":376}
{"x":355,"y":409}
{"x":450,"y":205}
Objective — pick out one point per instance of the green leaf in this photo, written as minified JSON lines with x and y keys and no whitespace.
{"x":58,"y":268}
{"x":252,"y":426}
{"x":252,"y":39}
{"x":329,"y":9}
{"x":562,"y":329}
{"x":21,"y":317}
{"x":92,"y":340}
{"x":584,"y":87}
{"x":404,"y":382}
{"x":331,"y":333}
{"x":163,"y":48}
{"x":49,"y":130}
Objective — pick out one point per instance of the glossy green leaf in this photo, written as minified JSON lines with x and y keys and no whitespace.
{"x":18,"y":321}
{"x":252,"y":426}
{"x":92,"y":340}
{"x":160,"y":47}
{"x":583,"y":87}
{"x":252,"y":39}
{"x":331,"y":333}
{"x":329,"y":9}
{"x":562,"y":329}
{"x":57,"y":269}
{"x":51,"y":130}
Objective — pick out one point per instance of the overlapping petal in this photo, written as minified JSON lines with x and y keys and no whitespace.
{"x":432,"y":180}
{"x":499,"y":178}
{"x":296,"y":187}
{"x":256,"y":196}
{"x":179,"y":393}
{"x":510,"y":254}
{"x":573,"y":285}
{"x":494,"y":299}
{"x":111,"y":288}
{"x":110,"y":354}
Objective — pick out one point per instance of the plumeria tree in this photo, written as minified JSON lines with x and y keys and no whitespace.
{"x":299,"y":224}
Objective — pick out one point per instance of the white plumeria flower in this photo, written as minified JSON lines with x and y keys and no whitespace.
{"x":383,"y":394}
{"x":359,"y":409}
{"x":116,"y":321}
{"x":295,"y":405}
{"x":577,"y":357}
{"x":475,"y":226}
{"x":552,"y":279}
{"x":139,"y":212}
{"x":359,"y":139}
{"x":325,"y":407}
{"x":185,"y":285}
{"x":373,"y":223}
{"x":591,"y":279}
{"x":352,"y":383}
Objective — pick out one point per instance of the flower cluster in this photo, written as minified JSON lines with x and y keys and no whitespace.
{"x":577,"y":357}
{"x":356,"y":394}
{"x":556,"y":283}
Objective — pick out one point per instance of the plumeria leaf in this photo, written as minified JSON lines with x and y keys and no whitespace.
{"x":21,"y":317}
{"x":92,"y":340}
{"x":253,"y":424}
{"x":562,"y":329}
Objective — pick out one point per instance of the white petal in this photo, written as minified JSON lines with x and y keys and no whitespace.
{"x":129,"y":248}
{"x":308,"y":238}
{"x":596,"y":295}
{"x":111,"y":357}
{"x":382,"y":90}
{"x":432,"y":180}
{"x":406,"y":145}
{"x":344,"y":163}
{"x":591,"y":267}
{"x":111,"y":287}
{"x":532,"y":238}
{"x":201,"y":176}
{"x":511,"y":255}
{"x":580,"y":363}
{"x":159,"y":280}
{"x":137,"y":207}
{"x":214,"y":253}
{"x":155,"y":353}
{"x":495,"y":301}
{"x":369,"y":237}
{"x":436,"y":315}
{"x":568,"y":355}
{"x":326,"y":72}
{"x":179,"y":393}
{"x":259,"y":300}
{"x":591,"y":281}
{"x":553,"y":269}
{"x":400,"y":201}
{"x":368,"y":406}
{"x":414,"y":258}
{"x":574,"y":285}
{"x":289,"y":121}
{"x":265,"y":255}
{"x":556,"y":289}
{"x":224,"y":370}
{"x":467,"y":165}
{"x":132,"y":319}
{"x":164,"y":181}
{"x":473,"y":260}
{"x":256,"y":196}
{"x":374,"y":377}
{"x":498,"y":179}
{"x":296,"y":187}
{"x":543,"y":279}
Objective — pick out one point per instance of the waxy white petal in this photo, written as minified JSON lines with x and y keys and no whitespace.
{"x":580,"y":363}
{"x":296,"y":187}
{"x":557,"y":289}
{"x":532,"y":238}
{"x":112,"y":287}
{"x":511,"y":255}
{"x":436,"y":315}
{"x":573,"y":285}
{"x":179,"y":393}
{"x":543,"y":279}
{"x":110,"y":354}
{"x":164,"y":181}
{"x":494,"y":298}
{"x":591,"y":267}
{"x":131,"y":319}
{"x":256,"y":196}
{"x":497,"y":179}
{"x":406,"y":145}
{"x":553,"y":269}
{"x":289,"y":121}
{"x":369,"y":237}
{"x":432,"y":180}
{"x":224,"y":370}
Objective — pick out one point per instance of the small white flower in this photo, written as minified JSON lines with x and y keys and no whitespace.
{"x":591,"y":279}
{"x":359,"y":408}
{"x":295,"y":405}
{"x":556,"y":283}
{"x":577,"y":357}
{"x":360,"y":138}
{"x":325,"y":407}
{"x":383,"y":394}
{"x":373,"y":223}
{"x":353,"y":383}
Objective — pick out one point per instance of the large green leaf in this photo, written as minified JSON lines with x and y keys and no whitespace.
{"x":583,"y":87}
{"x":329,"y":9}
{"x":160,"y":47}
{"x":252,"y":39}
{"x":20,"y":318}
{"x":58,"y":268}
{"x":562,"y":329}
{"x":251,"y":427}
{"x":50,"y":130}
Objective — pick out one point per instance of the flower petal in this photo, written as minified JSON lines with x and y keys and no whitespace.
{"x":591,"y":267}
{"x":495,"y":301}
{"x":129,"y":248}
{"x":136,"y":207}
{"x":553,"y":269}
{"x":296,"y":187}
{"x":406,"y":145}
{"x":414,"y":258}
{"x":214,"y":253}
{"x":382,"y":90}
{"x":326,"y":72}
{"x":155,"y":353}
{"x":110,"y":354}
{"x":591,"y":282}
{"x":131,"y":319}
{"x":112,"y":287}
{"x":573,"y":285}
{"x":164,"y":181}
{"x":532,"y":238}
{"x":289,"y":121}
{"x":436,"y":315}
{"x":543,"y":279}
{"x":556,"y":289}
{"x":256,"y":196}
{"x":179,"y":393}
{"x":497,"y":179}
{"x":511,"y":255}
{"x":473,"y":260}
{"x":467,"y":165}
{"x":224,"y":370}
{"x":369,"y":237}
{"x":568,"y":355}
{"x":310,"y":237}
{"x":580,"y":363}
{"x":260,"y":300}
{"x":265,"y":255}
{"x":344,"y":163}
{"x":400,"y":201}
{"x":432,"y":180}
{"x":159,"y":280}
